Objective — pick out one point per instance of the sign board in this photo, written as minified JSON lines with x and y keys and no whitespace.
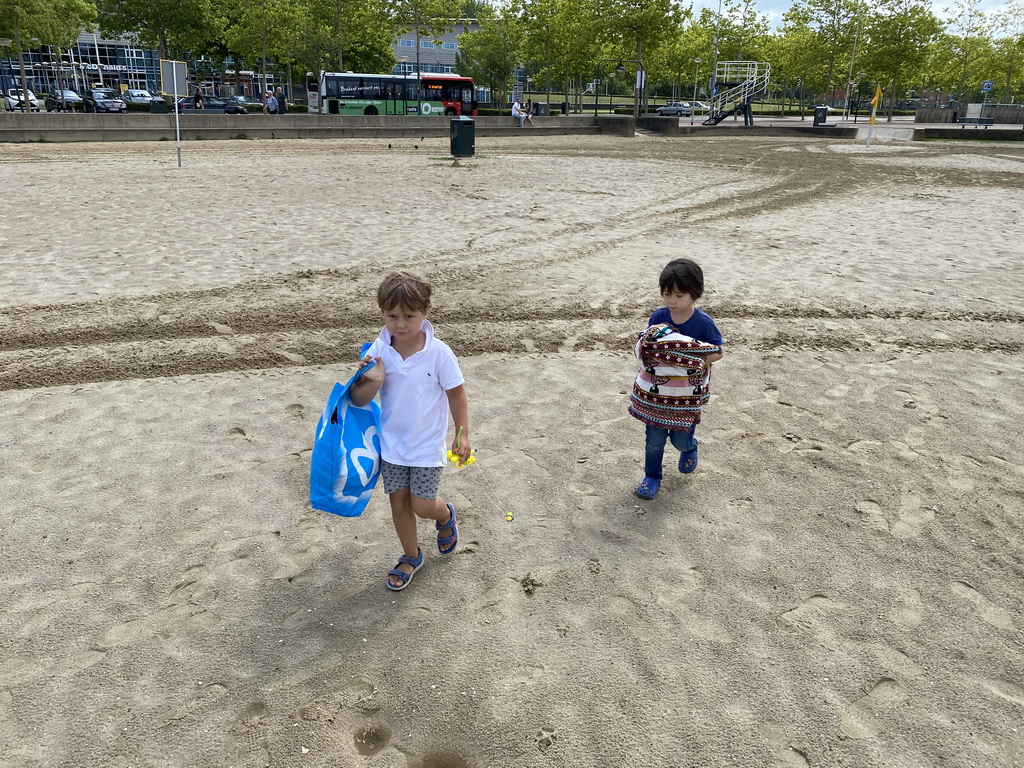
{"x":174,"y":77}
{"x":517,"y":93}
{"x":987,"y":85}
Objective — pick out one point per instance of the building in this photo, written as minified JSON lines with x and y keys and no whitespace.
{"x":95,"y":61}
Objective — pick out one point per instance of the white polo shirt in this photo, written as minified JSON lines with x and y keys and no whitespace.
{"x":413,"y":403}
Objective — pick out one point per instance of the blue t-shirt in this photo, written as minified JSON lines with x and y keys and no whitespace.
{"x":700,"y":326}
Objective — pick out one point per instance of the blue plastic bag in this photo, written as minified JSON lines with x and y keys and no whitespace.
{"x":346,"y":453}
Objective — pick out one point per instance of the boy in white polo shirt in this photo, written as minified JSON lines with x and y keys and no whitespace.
{"x":419,"y":380}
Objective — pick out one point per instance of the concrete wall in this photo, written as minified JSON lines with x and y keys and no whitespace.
{"x":1012,"y":114}
{"x":64,"y":127}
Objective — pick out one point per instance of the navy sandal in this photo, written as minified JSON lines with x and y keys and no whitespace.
{"x":648,"y":489}
{"x":688,"y":461}
{"x":446,"y":544}
{"x":402,"y":576}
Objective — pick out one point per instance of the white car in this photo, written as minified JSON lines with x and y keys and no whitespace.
{"x":681,"y":108}
{"x":14,"y":98}
{"x":138,"y":96}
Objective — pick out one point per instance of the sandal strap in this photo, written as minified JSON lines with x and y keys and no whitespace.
{"x":452,"y":522}
{"x":400,"y":575}
{"x":446,"y":540}
{"x":413,"y":561}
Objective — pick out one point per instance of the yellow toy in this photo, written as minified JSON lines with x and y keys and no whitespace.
{"x":457,"y":460}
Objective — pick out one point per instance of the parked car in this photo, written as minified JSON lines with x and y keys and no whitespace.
{"x":103,"y":100}
{"x":137,"y":96}
{"x":245,"y":101}
{"x":14,"y":98}
{"x":63,"y":101}
{"x":675,"y":108}
{"x":212,"y":102}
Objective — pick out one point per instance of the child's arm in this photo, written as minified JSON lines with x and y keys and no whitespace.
{"x":715,"y":357}
{"x":368,"y":385}
{"x":459,"y":406}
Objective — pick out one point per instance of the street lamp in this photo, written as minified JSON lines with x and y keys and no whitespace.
{"x":619,"y":70}
{"x":693,"y":102}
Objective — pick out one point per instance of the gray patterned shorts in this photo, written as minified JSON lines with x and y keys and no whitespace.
{"x":423,"y":482}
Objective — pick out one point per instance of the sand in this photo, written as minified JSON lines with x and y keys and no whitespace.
{"x":839,"y":583}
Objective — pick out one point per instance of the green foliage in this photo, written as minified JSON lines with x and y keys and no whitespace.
{"x":162,"y":24}
{"x":490,"y":54}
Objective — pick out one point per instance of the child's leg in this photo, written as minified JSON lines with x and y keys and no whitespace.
{"x":654,"y":453}
{"x":424,"y":484}
{"x":683,"y":440}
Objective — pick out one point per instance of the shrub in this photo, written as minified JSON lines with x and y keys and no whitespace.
{"x":138,"y":108}
{"x":298,"y":108}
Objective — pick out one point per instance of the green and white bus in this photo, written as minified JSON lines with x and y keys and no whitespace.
{"x":354,"y":93}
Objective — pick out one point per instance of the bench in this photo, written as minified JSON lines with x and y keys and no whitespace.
{"x":976,"y":121}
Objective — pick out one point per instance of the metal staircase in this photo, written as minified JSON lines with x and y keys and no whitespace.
{"x":740,"y":83}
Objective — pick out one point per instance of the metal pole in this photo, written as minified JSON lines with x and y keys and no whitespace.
{"x":714,"y":65}
{"x":96,"y":44}
{"x":177,"y":123}
{"x":693,"y":103}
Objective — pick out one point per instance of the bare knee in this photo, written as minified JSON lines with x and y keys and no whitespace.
{"x":424,"y":507}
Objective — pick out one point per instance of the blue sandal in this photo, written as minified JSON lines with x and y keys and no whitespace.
{"x":446,"y":544}
{"x":402,"y":576}
{"x":648,"y":489}
{"x":688,"y":461}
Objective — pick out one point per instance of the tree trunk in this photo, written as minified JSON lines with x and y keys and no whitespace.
{"x":21,"y":62}
{"x":341,"y":42}
{"x":895,"y":85}
{"x":263,"y":94}
{"x":636,"y":83}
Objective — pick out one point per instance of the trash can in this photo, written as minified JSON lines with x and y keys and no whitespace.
{"x":463,"y":136}
{"x":820,"y":115}
{"x":542,"y":109}
{"x":158,"y":107}
{"x":565,"y":108}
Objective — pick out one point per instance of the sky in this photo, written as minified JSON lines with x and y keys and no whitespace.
{"x":775,"y":8}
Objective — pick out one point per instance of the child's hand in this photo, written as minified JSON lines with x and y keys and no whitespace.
{"x":461,"y":447}
{"x":376,"y":373}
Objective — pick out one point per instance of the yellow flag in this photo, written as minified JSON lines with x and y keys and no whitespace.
{"x":877,"y":101}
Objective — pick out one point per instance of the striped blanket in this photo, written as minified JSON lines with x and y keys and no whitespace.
{"x":673,"y":381}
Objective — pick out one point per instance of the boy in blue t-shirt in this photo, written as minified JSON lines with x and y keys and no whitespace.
{"x":681,"y":283}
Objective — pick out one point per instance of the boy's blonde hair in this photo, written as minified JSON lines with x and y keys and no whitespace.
{"x":404,"y":289}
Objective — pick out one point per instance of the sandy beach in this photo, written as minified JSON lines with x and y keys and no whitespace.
{"x":840,"y":583}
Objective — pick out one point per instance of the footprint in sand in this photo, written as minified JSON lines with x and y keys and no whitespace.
{"x":371,"y":739}
{"x":1004,"y":689}
{"x":913,"y":518}
{"x":990,"y":612}
{"x":910,"y":611}
{"x":545,"y":737}
{"x":251,"y":729}
{"x":791,"y":757}
{"x":803,"y":618}
{"x":862,"y":719}
{"x":873,"y":516}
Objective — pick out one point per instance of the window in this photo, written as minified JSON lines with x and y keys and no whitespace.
{"x":406,"y":43}
{"x":426,"y":43}
{"x":448,"y":68}
{"x":450,"y":46}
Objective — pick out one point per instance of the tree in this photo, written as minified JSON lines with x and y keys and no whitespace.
{"x":633,"y":24}
{"x":491,"y":53}
{"x":967,"y":31}
{"x":836,"y":28}
{"x":35,"y":23}
{"x":898,"y":35}
{"x":157,"y":23}
{"x":1009,"y":46}
{"x":425,"y":17}
{"x":263,"y":28}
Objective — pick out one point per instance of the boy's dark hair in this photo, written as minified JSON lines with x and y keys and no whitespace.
{"x":683,"y":275}
{"x":404,"y":289}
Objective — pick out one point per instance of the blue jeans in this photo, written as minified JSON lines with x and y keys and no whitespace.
{"x":682,"y":440}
